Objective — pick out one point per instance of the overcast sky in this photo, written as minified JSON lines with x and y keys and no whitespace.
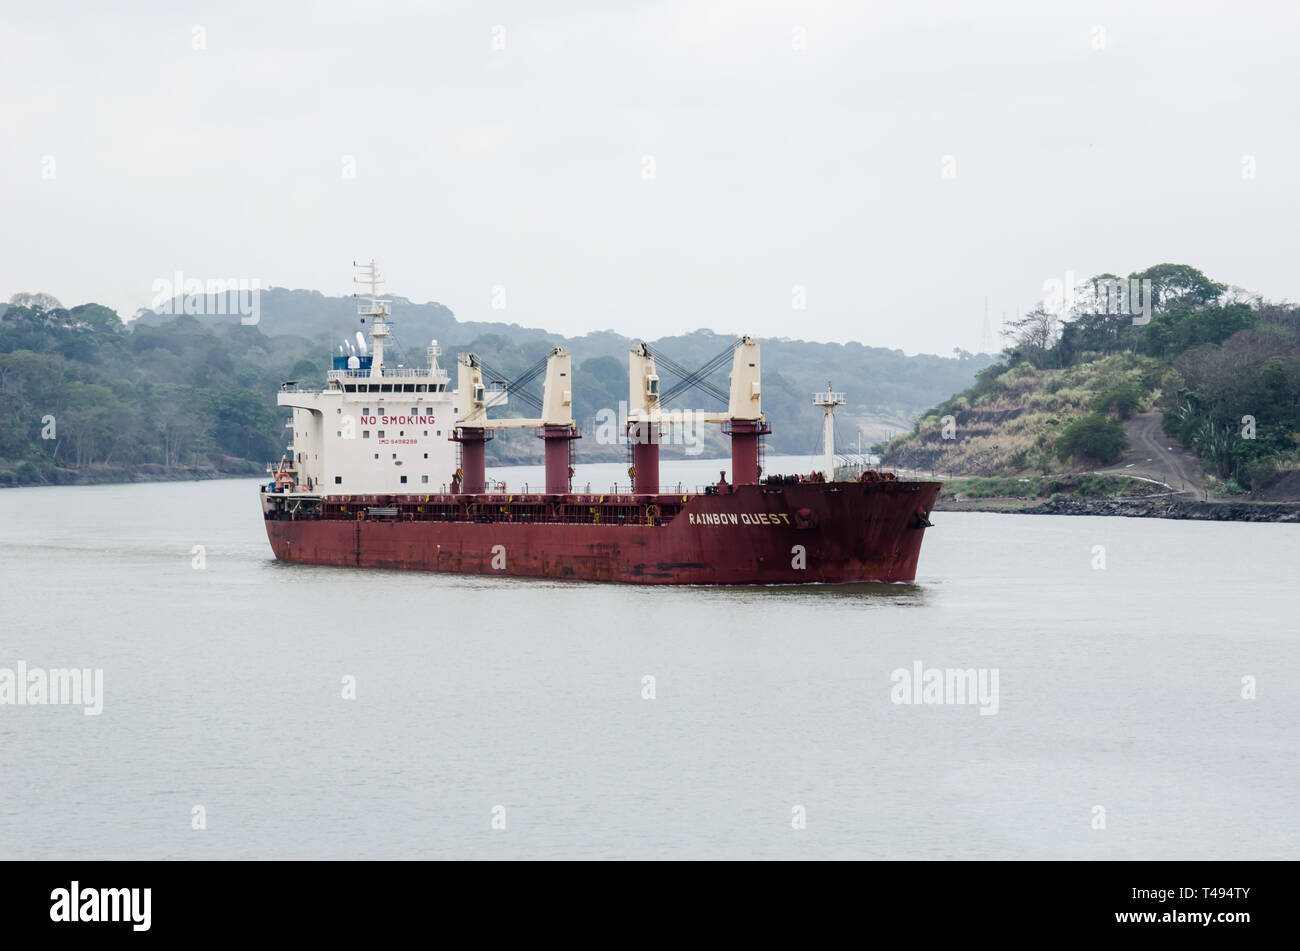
{"x":652,"y":167}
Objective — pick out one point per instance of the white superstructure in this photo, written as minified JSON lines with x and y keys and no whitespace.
{"x":374,"y":428}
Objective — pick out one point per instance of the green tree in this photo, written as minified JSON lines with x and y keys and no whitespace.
{"x":1179,"y":284}
{"x":306,"y":371}
{"x":93,"y":419}
{"x":1121,"y":400}
{"x":1094,"y":437}
{"x":242,"y":424}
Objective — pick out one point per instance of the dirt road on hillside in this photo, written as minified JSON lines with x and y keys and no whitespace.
{"x":1153,"y":455}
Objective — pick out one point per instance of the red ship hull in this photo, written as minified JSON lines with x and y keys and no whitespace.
{"x":830,"y":533}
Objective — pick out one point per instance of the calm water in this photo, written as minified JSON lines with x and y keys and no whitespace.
{"x":1118,"y":688}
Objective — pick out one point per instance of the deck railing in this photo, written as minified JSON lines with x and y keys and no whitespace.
{"x":394,"y":373}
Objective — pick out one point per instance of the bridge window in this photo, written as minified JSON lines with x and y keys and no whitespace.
{"x":408,"y":388}
{"x":365,"y":434}
{"x":415,"y":410}
{"x":365,"y":411}
{"x":381,"y":434}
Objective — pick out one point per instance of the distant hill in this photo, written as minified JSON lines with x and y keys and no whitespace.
{"x":170,"y":395}
{"x":886,"y":388}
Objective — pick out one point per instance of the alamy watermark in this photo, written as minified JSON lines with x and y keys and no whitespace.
{"x":216,"y":296}
{"x":35,"y":686}
{"x":935,"y":686}
{"x":1102,"y":295}
{"x":679,"y":427}
{"x":78,"y":903}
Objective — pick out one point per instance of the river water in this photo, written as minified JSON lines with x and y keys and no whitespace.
{"x":769,"y":729}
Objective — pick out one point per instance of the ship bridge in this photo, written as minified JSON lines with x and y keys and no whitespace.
{"x":374,"y":426}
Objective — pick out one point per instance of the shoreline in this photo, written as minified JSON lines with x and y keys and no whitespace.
{"x":136,"y":474}
{"x":1158,"y":506}
{"x":1162,"y":506}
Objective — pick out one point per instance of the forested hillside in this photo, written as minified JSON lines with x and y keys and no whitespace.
{"x":1221,"y":366}
{"x":89,"y":397}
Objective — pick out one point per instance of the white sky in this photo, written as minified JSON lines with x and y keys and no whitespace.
{"x":774,"y":166}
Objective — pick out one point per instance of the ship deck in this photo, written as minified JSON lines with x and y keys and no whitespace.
{"x":538,"y":508}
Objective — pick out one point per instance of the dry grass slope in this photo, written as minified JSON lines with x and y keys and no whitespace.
{"x":1009,"y":425}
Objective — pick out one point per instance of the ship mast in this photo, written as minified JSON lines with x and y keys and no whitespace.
{"x":643,"y":419}
{"x":828,"y":401}
{"x":376,"y":310}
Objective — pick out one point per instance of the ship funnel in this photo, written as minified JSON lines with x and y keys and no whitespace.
{"x":643,"y":419}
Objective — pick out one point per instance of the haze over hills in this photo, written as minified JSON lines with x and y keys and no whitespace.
{"x":887,"y":388}
{"x":164,"y":392}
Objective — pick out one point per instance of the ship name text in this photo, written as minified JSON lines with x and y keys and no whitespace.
{"x":742,"y":518}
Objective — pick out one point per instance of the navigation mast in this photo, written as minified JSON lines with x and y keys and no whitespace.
{"x":376,"y":309}
{"x":828,"y":401}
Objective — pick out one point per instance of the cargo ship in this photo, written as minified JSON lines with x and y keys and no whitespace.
{"x":387,"y":469}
